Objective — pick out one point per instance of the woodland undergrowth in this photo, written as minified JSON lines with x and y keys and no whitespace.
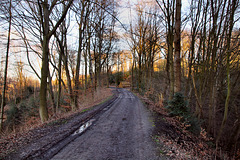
{"x":20,"y":134}
{"x":174,"y":135}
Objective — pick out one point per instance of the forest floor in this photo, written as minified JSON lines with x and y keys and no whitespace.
{"x":12,"y":143}
{"x":172,"y":139}
{"x":175,"y":141}
{"x":122,"y":131}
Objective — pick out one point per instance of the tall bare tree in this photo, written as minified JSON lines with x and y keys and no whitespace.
{"x":45,"y":10}
{"x":232,"y":6}
{"x":82,"y":12}
{"x":168,"y":11}
{"x":6,"y":65}
{"x":177,"y":44}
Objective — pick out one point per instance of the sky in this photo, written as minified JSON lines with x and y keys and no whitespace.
{"x":124,"y":15}
{"x":124,"y":18}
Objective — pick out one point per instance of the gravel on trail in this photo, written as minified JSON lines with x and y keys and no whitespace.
{"x":123,"y":131}
{"x":120,"y":128}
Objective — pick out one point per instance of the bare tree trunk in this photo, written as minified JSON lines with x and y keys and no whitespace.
{"x":79,"y":55}
{"x":61,"y":52}
{"x":232,"y":8}
{"x":44,"y":74}
{"x":6,"y":67}
{"x":168,"y":9}
{"x":64,"y":54}
{"x":95,"y":70}
{"x":90,"y":59}
{"x":199,"y":110}
{"x":86,"y":68}
{"x":177,"y":44}
{"x":171,"y":64}
{"x":44,"y":12}
{"x":212,"y":49}
{"x":139,"y":72}
{"x":107,"y":66}
{"x":59,"y":82}
{"x":51,"y":92}
{"x":133,"y":73}
{"x":81,"y":27}
{"x":43,"y":87}
{"x":45,"y":62}
{"x":69,"y":82}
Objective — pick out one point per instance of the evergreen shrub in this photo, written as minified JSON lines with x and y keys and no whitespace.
{"x":178,"y":106}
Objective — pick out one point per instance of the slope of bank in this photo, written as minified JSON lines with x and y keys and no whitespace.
{"x":175,"y":141}
{"x":34,"y":141}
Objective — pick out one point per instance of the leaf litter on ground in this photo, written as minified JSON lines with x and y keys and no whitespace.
{"x":11,"y":142}
{"x":175,"y":141}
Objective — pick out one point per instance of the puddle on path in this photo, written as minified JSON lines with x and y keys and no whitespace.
{"x":83,"y":127}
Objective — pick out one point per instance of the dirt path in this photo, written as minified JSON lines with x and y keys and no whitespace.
{"x":123,"y":131}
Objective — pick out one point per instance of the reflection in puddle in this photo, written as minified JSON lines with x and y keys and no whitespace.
{"x":83,"y":127}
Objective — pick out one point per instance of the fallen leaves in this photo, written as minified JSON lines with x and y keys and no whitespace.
{"x":34,"y":129}
{"x":175,"y":140}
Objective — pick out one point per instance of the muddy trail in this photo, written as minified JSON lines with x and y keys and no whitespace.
{"x":123,"y":131}
{"x":120,"y":128}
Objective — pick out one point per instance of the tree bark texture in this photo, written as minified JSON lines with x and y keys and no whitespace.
{"x":45,"y":64}
{"x":231,"y":9}
{"x":177,"y":44}
{"x":45,"y":12}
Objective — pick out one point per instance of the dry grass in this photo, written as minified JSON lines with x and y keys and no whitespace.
{"x":86,"y":102}
{"x":90,"y":100}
